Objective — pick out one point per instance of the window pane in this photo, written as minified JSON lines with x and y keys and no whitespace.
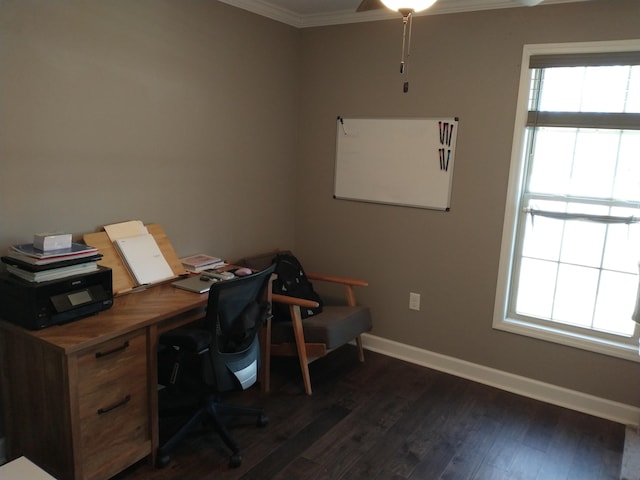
{"x":575,"y":295}
{"x":561,"y":89}
{"x":605,"y":89}
{"x":552,"y":160}
{"x":590,"y":89}
{"x":627,"y":184}
{"x":622,"y":251}
{"x":633,"y":95}
{"x":536,"y":286}
{"x":543,"y":236}
{"x":595,"y":163}
{"x":616,"y":301}
{"x":583,"y":241}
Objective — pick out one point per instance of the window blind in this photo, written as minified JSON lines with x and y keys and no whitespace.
{"x":603,"y":59}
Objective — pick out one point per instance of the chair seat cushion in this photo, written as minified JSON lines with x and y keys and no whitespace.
{"x":335,"y":326}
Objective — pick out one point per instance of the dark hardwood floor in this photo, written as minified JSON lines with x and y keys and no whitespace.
{"x":387,"y":419}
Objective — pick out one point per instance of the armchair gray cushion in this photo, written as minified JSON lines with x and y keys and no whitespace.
{"x":335,"y":326}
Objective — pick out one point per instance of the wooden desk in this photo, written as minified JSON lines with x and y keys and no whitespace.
{"x":81,"y":399}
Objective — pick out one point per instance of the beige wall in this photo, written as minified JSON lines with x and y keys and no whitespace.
{"x":200,"y":116}
{"x":464,"y":65}
{"x":171,"y":112}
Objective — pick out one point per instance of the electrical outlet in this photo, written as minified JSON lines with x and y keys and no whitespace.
{"x":414,"y":301}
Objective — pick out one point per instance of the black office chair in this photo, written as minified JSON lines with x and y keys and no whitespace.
{"x":221,"y":356}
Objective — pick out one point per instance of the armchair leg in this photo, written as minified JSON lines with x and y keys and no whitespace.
{"x":304,"y":366}
{"x":302,"y":350}
{"x":351,"y":301}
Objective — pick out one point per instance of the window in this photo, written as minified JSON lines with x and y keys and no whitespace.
{"x":571,"y":241}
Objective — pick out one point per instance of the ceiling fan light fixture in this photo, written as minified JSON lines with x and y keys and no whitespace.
{"x":408,"y":5}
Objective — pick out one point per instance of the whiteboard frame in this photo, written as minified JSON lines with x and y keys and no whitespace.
{"x":396,"y":160}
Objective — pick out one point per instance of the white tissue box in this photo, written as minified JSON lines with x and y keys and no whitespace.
{"x":52,"y":241}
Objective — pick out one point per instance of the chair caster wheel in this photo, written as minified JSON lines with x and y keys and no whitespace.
{"x":263,"y":420}
{"x":235,"y":460}
{"x":162,"y":461}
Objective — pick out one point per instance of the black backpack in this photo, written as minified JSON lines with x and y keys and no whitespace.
{"x":292,"y":282}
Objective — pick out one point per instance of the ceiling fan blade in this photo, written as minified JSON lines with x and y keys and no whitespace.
{"x":367,"y":5}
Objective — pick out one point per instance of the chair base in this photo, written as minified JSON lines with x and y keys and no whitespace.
{"x":211,"y":412}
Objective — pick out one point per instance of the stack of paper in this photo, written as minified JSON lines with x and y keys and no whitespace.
{"x":51,"y":274}
{"x":35,"y":265}
{"x":27,"y":252}
{"x":132,"y":228}
{"x":200,"y":262}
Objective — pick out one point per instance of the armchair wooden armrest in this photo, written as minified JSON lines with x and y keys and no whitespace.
{"x":332,"y":278}
{"x":293,"y":301}
{"x":294,"y":304}
{"x":348,"y":283}
{"x":300,"y":347}
{"x":296,"y":316}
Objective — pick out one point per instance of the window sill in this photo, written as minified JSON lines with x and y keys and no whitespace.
{"x":584,"y":342}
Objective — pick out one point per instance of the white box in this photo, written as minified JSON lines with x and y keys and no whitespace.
{"x":52,"y":241}
{"x":21,"y":469}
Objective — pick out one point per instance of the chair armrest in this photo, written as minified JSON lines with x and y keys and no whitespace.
{"x":334,"y":279}
{"x":293,"y":301}
{"x":296,"y":317}
{"x":348,"y":284}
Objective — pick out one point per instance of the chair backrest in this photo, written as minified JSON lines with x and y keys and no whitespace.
{"x":260,"y":261}
{"x":236,"y":308}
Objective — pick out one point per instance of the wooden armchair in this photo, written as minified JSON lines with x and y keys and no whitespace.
{"x":313,"y":337}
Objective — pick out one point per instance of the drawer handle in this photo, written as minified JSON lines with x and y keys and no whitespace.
{"x":122,"y":402}
{"x":124,"y":346}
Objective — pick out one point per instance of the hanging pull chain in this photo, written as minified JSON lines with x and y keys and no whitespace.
{"x":407,"y":18}
{"x":404,"y":38}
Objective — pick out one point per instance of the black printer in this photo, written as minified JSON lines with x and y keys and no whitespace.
{"x":36,"y":305}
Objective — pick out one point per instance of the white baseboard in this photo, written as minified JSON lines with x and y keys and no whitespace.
{"x":563,"y":397}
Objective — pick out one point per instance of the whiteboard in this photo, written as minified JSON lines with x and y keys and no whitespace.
{"x":397,"y":161}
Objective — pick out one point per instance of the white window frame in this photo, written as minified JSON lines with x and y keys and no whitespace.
{"x":501,"y":320}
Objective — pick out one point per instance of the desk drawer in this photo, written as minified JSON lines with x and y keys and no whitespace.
{"x":113,"y":405}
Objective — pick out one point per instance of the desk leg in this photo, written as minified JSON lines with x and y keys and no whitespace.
{"x":152,"y":348}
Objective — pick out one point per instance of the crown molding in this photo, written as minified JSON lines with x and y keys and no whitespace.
{"x":274,"y":12}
